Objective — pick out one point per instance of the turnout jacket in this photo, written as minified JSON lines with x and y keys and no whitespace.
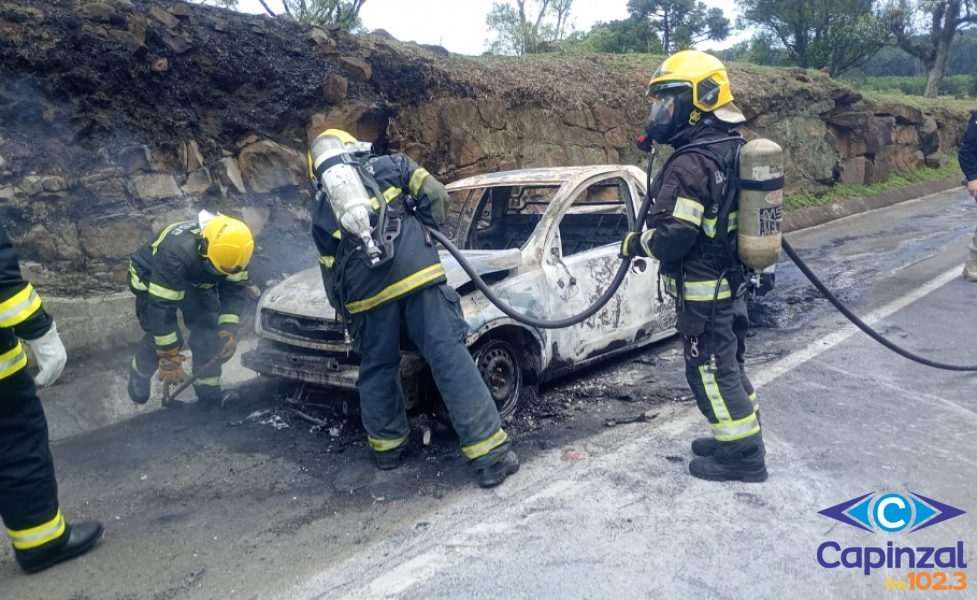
{"x":351,"y":284}
{"x":170,"y":266}
{"x":22,"y":317}
{"x":689,"y":192}
{"x":967,"y":154}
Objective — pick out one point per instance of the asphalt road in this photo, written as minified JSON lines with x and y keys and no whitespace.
{"x":249,"y":503}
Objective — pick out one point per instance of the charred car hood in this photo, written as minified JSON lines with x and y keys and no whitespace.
{"x":302,"y":294}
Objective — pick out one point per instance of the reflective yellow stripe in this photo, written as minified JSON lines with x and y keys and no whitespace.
{"x":714,"y":395}
{"x":389,"y":195}
{"x":337,"y":234}
{"x":698,"y":291}
{"x":729,"y":431}
{"x":386,"y":445}
{"x":134,"y":280}
{"x":482,"y":448}
{"x":395,"y":290}
{"x":646,"y":241}
{"x":228,"y":319}
{"x":709,"y":225}
{"x":238,"y":277}
{"x":204,"y":286}
{"x":12,"y":361}
{"x":756,"y":404}
{"x":166,"y":340}
{"x":626,"y":242}
{"x":208,"y":381}
{"x":162,"y":235}
{"x":327,"y":261}
{"x":165,"y":293}
{"x":25,"y":539}
{"x":416,"y":180}
{"x":19,"y":307}
{"x":689,"y":210}
{"x":734,"y":221}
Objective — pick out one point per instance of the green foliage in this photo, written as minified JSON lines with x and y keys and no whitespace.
{"x":948,"y":169}
{"x":528,"y":26}
{"x":345,"y":13}
{"x":958,"y":86}
{"x":761,"y":50}
{"x":837,"y":34}
{"x":682,"y":23}
{"x":622,"y":37}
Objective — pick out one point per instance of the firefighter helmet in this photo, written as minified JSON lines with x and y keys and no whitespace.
{"x":227,"y":244}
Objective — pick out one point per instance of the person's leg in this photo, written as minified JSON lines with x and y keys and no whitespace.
{"x":199,"y":309}
{"x":29,"y":505}
{"x":144,"y":362}
{"x":436,"y":325}
{"x":970,"y":266}
{"x":376,"y":338}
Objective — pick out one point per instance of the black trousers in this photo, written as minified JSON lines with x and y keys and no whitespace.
{"x":432,"y":319}
{"x":199,"y":308}
{"x":28,"y":489}
{"x":724,"y":394}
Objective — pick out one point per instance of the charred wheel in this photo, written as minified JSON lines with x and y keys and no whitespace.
{"x":500,"y":367}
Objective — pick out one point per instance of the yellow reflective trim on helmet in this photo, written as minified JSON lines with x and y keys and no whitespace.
{"x":25,"y":539}
{"x":689,"y":210}
{"x":166,"y":340}
{"x":19,"y":307}
{"x":165,"y":293}
{"x":417,"y":180}
{"x":238,"y":277}
{"x":477,"y":450}
{"x":228,"y":319}
{"x":398,"y":289}
{"x":12,"y":361}
{"x":379,"y":445}
{"x":327,"y":261}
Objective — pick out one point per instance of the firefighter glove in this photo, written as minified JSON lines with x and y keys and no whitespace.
{"x":230,"y":344}
{"x":50,"y":354}
{"x":171,"y":366}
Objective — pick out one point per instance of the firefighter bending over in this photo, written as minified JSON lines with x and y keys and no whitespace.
{"x":28,"y":490}
{"x":686,"y":233}
{"x":384,"y":277}
{"x":198,"y":267}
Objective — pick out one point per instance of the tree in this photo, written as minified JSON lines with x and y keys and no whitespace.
{"x":926,"y":29}
{"x":682,"y":23}
{"x":837,"y":34}
{"x":345,"y":13}
{"x":625,"y":36}
{"x":528,"y":26}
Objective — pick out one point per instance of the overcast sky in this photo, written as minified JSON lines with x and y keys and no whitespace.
{"x":459,"y":25}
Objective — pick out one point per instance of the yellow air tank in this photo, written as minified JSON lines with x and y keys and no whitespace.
{"x":761,"y":200}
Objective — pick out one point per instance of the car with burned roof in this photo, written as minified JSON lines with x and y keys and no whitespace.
{"x":546,"y":240}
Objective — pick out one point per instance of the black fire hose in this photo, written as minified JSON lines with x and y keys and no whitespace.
{"x":861,"y":324}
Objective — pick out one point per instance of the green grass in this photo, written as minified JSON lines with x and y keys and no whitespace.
{"x":838,"y":192}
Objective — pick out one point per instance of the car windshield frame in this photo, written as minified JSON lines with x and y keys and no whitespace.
{"x":465,"y":203}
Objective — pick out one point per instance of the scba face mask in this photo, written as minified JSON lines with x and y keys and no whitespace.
{"x":671,"y":110}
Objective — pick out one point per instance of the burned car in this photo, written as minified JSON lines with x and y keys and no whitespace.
{"x":546,"y":240}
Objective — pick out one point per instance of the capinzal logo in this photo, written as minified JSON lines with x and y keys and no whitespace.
{"x":891,"y":513}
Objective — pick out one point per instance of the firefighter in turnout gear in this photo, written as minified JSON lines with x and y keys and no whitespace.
{"x":200,"y":268}
{"x":28,"y":490}
{"x":692,"y":233}
{"x":967,"y":156}
{"x":394,"y":287}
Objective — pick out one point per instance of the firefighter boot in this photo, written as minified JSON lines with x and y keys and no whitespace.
{"x":139,"y":387}
{"x":704,"y":446}
{"x":747,"y":466}
{"x":495,"y":473}
{"x":389,"y":460}
{"x":78,"y":540}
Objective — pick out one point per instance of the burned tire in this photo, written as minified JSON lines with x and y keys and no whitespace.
{"x":501,"y":368}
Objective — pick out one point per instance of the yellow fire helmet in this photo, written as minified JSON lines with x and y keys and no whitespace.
{"x":345,"y":137}
{"x":705,"y":75}
{"x":227,"y":243}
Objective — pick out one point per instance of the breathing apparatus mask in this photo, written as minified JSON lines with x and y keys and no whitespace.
{"x":335,"y":169}
{"x":672,"y":111}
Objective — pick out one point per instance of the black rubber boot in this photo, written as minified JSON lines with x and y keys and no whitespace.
{"x":387,"y":461}
{"x":495,"y":473}
{"x":78,"y":540}
{"x":704,"y":446}
{"x":748,"y":467}
{"x":139,"y":387}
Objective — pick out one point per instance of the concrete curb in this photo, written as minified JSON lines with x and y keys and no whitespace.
{"x":813,"y":216}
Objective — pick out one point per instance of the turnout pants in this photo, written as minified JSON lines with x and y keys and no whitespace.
{"x":432,"y":319}
{"x":724,"y":394}
{"x":199,"y":308}
{"x":28,"y":490}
